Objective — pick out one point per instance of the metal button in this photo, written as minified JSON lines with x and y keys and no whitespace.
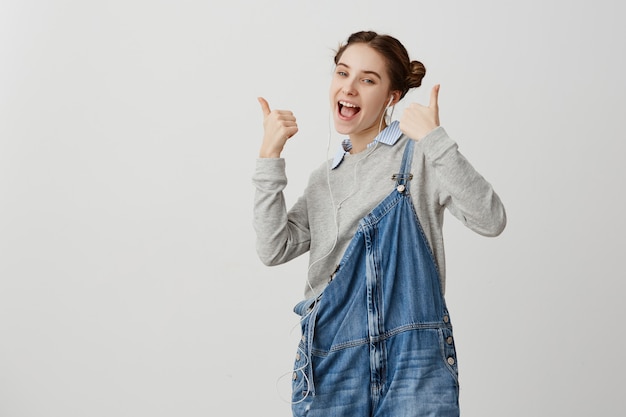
{"x":400,"y":188}
{"x":295,"y":376}
{"x":297,"y":356}
{"x":450,"y":360}
{"x":446,"y":319}
{"x":449,"y":340}
{"x":304,"y":338}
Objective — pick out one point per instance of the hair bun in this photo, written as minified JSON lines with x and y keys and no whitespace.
{"x":417,"y":71}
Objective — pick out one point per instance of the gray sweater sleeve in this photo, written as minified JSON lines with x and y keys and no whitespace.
{"x":467,"y":195}
{"x":281,"y":235}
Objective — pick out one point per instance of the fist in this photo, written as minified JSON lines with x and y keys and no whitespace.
{"x":278,"y":126}
{"x":417,"y":120}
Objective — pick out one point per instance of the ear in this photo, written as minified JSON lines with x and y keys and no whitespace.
{"x":395,"y":97}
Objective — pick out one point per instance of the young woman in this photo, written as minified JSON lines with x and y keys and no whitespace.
{"x":376,"y":332}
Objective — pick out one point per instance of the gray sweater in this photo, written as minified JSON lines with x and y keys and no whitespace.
{"x":325,"y":224}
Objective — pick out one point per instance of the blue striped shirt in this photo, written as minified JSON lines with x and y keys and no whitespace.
{"x":389,"y":136}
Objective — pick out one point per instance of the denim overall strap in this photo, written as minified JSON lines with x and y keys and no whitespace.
{"x":404,"y":177}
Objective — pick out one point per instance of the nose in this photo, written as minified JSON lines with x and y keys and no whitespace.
{"x":348,"y":87}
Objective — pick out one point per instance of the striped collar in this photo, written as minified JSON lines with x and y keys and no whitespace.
{"x":389,"y":136}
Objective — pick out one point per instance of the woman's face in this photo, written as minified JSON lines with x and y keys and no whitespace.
{"x":359,"y":92}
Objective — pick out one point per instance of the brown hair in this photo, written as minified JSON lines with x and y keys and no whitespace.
{"x":404,"y":74}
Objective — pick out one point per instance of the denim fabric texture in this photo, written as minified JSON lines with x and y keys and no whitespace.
{"x":378,"y":341}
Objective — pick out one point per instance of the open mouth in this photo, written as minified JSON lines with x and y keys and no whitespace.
{"x":348,"y":110}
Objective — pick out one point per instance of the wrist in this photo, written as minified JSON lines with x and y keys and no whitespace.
{"x":269,"y":152}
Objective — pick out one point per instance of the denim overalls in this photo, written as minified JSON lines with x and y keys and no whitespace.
{"x":378,"y":341}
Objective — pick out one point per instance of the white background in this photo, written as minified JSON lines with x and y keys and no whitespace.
{"x":129,"y":283}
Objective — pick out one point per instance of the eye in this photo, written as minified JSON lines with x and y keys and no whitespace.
{"x":342,"y":73}
{"x":368,"y":81}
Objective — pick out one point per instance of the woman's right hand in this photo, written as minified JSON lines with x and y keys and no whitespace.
{"x":279,"y":125}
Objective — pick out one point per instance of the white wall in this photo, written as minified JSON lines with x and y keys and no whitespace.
{"x":129,"y":284}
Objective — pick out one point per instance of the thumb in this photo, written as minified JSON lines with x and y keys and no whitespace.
{"x":434,"y":97}
{"x":265,"y":107}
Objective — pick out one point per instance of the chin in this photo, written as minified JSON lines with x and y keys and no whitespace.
{"x":342,"y":130}
{"x":342,"y":127}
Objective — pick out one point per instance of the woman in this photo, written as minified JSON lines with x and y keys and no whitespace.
{"x":376,"y":333}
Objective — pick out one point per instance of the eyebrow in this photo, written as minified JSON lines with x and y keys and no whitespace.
{"x":366,"y":72}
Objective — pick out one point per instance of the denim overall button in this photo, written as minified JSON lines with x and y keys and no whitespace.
{"x":400,"y":188}
{"x":449,"y":340}
{"x":297,"y":356}
{"x":450,"y":361}
{"x":295,"y":376}
{"x":446,"y":319}
{"x":304,"y":338}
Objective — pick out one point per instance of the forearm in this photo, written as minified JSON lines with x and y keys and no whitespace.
{"x":465,"y":192}
{"x":281,"y":236}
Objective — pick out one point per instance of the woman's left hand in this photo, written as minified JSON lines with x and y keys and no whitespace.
{"x":417,"y":120}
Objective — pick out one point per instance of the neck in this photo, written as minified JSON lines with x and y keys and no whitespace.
{"x":361,"y":139}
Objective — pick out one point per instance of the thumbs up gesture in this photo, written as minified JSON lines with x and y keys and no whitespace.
{"x":278,"y":125}
{"x":418,"y":120}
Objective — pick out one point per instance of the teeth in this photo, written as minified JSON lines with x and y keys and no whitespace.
{"x":345,"y":104}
